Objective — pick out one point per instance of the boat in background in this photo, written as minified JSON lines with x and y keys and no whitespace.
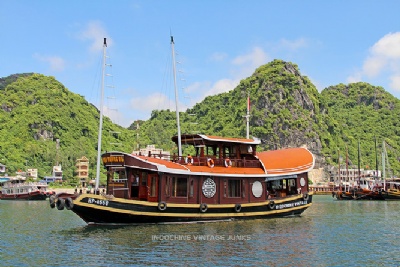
{"x":393,"y":189}
{"x":18,"y":189}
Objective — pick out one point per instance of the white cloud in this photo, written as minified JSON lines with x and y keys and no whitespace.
{"x":356,"y":77}
{"x":244,"y":65}
{"x":155,"y":101}
{"x":388,"y":46}
{"x":395,"y":82}
{"x":383,"y":60}
{"x":95,"y":34}
{"x":256,"y":58}
{"x":56,"y":63}
{"x":222,"y":86}
{"x":241,"y":67}
{"x":373,"y":65}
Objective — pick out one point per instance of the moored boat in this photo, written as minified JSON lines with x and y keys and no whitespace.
{"x":393,"y":190}
{"x":226,"y":179}
{"x":17,"y":190}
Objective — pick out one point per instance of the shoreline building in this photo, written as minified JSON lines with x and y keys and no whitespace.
{"x":82,"y":170}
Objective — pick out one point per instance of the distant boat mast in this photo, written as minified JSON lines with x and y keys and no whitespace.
{"x":101,"y":118}
{"x":248,"y":117}
{"x":176,"y":99}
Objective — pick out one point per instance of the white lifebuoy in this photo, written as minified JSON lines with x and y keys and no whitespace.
{"x":228,"y":163}
{"x":189,"y":160}
{"x":210,"y":162}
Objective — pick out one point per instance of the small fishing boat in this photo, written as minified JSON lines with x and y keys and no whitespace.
{"x":18,"y":189}
{"x":392,"y":189}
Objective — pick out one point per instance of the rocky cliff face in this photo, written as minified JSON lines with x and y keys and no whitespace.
{"x":289,"y":107}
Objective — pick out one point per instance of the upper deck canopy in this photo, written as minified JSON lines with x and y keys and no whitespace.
{"x":209,"y":140}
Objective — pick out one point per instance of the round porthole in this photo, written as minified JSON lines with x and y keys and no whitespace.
{"x":257,"y":189}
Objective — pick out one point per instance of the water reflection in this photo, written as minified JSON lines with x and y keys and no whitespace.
{"x":330,"y":233}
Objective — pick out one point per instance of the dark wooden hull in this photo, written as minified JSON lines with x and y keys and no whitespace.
{"x":30,"y":196}
{"x":360,"y":195}
{"x":393,"y":194}
{"x":97,"y":209}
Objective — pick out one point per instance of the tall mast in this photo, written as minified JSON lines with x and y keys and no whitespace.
{"x":383,"y":165}
{"x":248,"y":117}
{"x":176,"y":98}
{"x":376,"y":160}
{"x":101,"y":118}
{"x":347,"y":164}
{"x":340,"y":176}
{"x":359,"y":163}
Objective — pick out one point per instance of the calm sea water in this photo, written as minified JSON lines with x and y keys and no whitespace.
{"x":330,"y":233}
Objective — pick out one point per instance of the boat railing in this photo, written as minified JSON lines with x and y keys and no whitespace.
{"x":208,"y":160}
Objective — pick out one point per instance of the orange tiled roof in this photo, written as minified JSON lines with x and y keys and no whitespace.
{"x":286,"y":160}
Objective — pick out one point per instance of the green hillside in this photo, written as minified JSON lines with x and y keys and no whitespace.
{"x":36,"y":111}
{"x":286,"y":111}
{"x":365,"y":113}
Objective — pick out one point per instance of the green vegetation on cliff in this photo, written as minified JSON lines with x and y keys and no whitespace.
{"x":36,"y":111}
{"x":286,"y":111}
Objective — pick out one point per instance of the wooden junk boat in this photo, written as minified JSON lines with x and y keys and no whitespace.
{"x":226,"y":179}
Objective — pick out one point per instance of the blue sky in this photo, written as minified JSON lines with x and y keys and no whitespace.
{"x":218,"y":43}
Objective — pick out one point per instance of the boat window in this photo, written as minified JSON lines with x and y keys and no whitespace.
{"x":135,"y":179}
{"x":118,"y":174}
{"x":179,"y":186}
{"x":234,"y":188}
{"x":276,"y":184}
{"x":191,"y":188}
{"x":153,"y":186}
{"x":167,"y":186}
{"x":243,"y":189}
{"x":144,"y":178}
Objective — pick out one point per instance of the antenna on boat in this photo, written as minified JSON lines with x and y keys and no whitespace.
{"x":376,"y":159}
{"x":359,"y":163}
{"x":248,"y":117}
{"x":384,"y":164}
{"x":101,"y":119}
{"x":176,"y":98}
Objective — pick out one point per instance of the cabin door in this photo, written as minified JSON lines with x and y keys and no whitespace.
{"x":152,"y":185}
